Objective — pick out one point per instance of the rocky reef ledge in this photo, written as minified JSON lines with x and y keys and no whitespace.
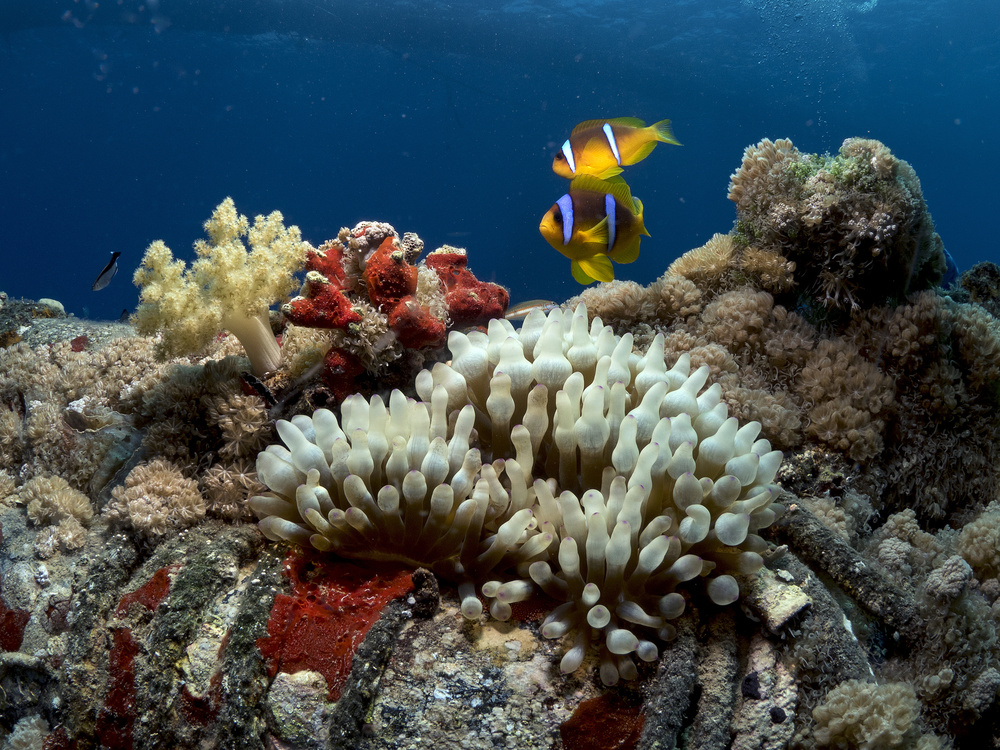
{"x":794,"y":542}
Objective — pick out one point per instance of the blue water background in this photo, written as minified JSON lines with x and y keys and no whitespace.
{"x":124,"y":122}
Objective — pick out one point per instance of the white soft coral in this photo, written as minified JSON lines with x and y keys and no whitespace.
{"x":228,"y":287}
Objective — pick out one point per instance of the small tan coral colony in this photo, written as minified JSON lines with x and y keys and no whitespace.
{"x":620,"y":455}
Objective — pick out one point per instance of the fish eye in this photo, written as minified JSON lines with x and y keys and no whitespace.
{"x":560,"y":156}
{"x":557,"y":216}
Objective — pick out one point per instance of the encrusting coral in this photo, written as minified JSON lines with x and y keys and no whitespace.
{"x":553,"y":456}
{"x":226,"y":288}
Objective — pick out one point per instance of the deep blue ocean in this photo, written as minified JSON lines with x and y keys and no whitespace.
{"x":122,"y":122}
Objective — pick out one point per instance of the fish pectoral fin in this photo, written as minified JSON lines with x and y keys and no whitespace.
{"x":609,"y":172}
{"x":595,"y":268}
{"x":627,"y":252}
{"x":597,"y":234}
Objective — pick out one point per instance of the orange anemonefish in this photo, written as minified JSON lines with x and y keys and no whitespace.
{"x":602,"y":147}
{"x":596,"y":222}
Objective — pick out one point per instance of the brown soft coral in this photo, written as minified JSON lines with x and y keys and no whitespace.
{"x":778,"y":412}
{"x":847,"y":399}
{"x":787,"y":344}
{"x":53,"y":503}
{"x":854,"y":225}
{"x":242,"y":419}
{"x":227,"y":487}
{"x":10,"y":438}
{"x":943,"y":357}
{"x":977,"y":346}
{"x":763,"y":178}
{"x":122,"y":364}
{"x":772,"y":270}
{"x":858,"y":714}
{"x":737,"y":319}
{"x":617,"y":303}
{"x":50,"y":500}
{"x":675,"y":298}
{"x":26,"y":374}
{"x":194,"y":410}
{"x":156,"y":498}
{"x":7,"y":485}
{"x":979,"y":543}
{"x":708,"y":266}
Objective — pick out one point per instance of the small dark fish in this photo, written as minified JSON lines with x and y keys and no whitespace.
{"x":123,"y":318}
{"x":252,"y":386}
{"x":105,"y":276}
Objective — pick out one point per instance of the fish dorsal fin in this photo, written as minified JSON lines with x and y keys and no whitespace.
{"x":597,"y":233}
{"x":595,"y":268}
{"x":632,"y":122}
{"x":615,"y":186}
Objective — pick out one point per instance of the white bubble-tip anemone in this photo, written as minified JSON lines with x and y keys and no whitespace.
{"x":553,"y":458}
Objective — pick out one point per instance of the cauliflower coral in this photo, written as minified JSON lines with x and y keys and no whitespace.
{"x":226,"y":288}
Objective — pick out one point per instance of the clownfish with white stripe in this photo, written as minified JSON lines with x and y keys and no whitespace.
{"x":596,"y":222}
{"x":602,"y":147}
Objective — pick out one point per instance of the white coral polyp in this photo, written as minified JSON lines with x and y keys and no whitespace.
{"x":551,"y":457}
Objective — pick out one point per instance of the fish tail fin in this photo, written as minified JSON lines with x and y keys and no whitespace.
{"x":595,"y":268}
{"x":662,"y":132}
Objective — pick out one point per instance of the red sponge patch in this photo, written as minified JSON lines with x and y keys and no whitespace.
{"x":322,"y":622}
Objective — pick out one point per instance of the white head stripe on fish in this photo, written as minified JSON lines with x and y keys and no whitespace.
{"x":568,"y":153}
{"x":610,"y":135}
{"x":609,"y":210}
{"x":566,"y":206}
